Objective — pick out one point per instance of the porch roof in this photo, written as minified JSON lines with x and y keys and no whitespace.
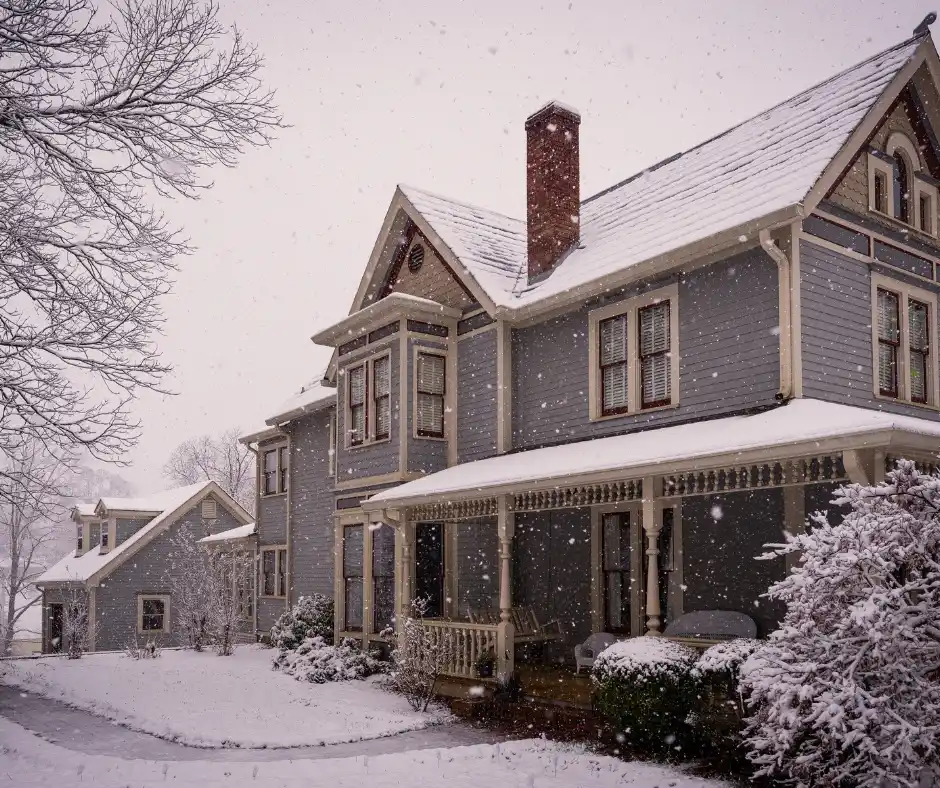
{"x":801,"y":427}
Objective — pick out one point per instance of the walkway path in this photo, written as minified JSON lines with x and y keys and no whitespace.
{"x":88,"y":733}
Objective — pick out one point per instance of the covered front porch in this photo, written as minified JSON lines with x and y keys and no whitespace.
{"x":524,"y":556}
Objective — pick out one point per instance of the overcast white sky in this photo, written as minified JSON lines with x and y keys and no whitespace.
{"x":435,"y":94}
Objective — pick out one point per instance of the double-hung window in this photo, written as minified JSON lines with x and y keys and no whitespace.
{"x":430,"y":386}
{"x":382,"y":397}
{"x":153,"y":614}
{"x":274,"y":571}
{"x":634,"y":354}
{"x":369,"y":401}
{"x":356,"y":397}
{"x":904,"y":325}
{"x":274,"y":466}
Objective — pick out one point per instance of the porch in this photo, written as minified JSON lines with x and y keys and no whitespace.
{"x":618,"y":542}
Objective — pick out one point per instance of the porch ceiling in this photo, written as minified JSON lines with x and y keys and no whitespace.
{"x":801,"y":428}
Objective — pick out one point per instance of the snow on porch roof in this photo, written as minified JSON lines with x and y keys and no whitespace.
{"x":760,"y":168}
{"x":232,"y":534}
{"x":802,"y":424}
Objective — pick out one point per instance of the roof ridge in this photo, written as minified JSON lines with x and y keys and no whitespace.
{"x":794,"y":97}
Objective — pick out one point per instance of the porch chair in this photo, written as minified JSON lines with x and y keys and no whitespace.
{"x":528,"y":629}
{"x":706,"y":627}
{"x":585,"y":653}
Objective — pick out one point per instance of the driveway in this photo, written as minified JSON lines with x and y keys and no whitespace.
{"x":90,"y":734}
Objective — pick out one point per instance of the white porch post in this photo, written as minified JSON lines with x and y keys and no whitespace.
{"x":404,"y":570}
{"x":505,"y":635}
{"x":651,"y":526}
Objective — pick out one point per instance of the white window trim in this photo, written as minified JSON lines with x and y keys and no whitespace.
{"x":277,"y":479}
{"x":369,"y":439}
{"x":900,"y":140}
{"x":165,"y":598}
{"x":905,"y":291}
{"x":879,"y":165}
{"x":630,"y":307}
{"x":921,"y":189}
{"x":276,"y":549}
{"x":428,"y":350}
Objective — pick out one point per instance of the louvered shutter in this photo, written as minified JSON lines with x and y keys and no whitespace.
{"x":357,"y":399}
{"x":888,"y":337}
{"x":614,"y":363}
{"x":430,"y":405}
{"x":918,"y":325}
{"x":656,"y":369}
{"x":382,"y":387}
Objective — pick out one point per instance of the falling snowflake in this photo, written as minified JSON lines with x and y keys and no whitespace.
{"x":775,"y":331}
{"x":476,"y":691}
{"x":717,"y":513}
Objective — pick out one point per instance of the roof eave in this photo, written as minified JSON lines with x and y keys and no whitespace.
{"x":888,"y":437}
{"x":260,"y":435}
{"x":303,"y":410}
{"x":391,"y":307}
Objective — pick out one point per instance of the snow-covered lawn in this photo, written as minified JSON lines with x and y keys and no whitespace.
{"x":29,"y":762}
{"x":211,"y":701}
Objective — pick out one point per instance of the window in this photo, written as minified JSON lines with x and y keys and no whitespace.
{"x":153,"y":614}
{"x":881,"y":193}
{"x":429,"y":396}
{"x":94,"y":535}
{"x":903,"y":328}
{"x":381,"y":393}
{"x":926,"y":197}
{"x":352,"y":577}
{"x":79,"y":540}
{"x":274,"y":571}
{"x":615,"y":546}
{"x":901,"y":185}
{"x":105,"y":537}
{"x":332,"y":449}
{"x":209,"y":509}
{"x":383,"y":577}
{"x":356,"y":397}
{"x":926,"y":213}
{"x":274,"y":473}
{"x":634,"y":359}
{"x":614,"y":371}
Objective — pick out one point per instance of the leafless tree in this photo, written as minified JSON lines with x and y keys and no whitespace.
{"x":220,"y":458}
{"x":28,"y":509}
{"x":75,"y":626}
{"x":187,"y":581}
{"x":228,"y":589}
{"x":101,"y":110}
{"x":421,"y":658}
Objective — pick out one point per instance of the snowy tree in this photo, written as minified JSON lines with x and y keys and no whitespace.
{"x":846,"y":692}
{"x":27,"y":508}
{"x":101,"y":110}
{"x":187,"y":579}
{"x":219,"y":458}
{"x":227,"y":588}
{"x":420,"y":658}
{"x":75,"y":625}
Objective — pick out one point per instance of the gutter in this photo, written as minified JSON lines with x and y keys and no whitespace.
{"x":784,"y":313}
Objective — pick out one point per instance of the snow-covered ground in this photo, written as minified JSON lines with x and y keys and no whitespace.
{"x":211,"y":701}
{"x":29,"y":762}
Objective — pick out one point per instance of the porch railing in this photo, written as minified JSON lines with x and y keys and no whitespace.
{"x":470,"y":641}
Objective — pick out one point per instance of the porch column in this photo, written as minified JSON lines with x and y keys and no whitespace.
{"x":505,"y":635}
{"x":404,"y":571}
{"x":652,"y":526}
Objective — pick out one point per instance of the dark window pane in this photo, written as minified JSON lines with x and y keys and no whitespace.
{"x":615,"y":558}
{"x":353,"y":603}
{"x":429,"y":567}
{"x":383,"y":577}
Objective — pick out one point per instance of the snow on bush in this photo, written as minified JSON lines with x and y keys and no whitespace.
{"x":312,"y":616}
{"x":726,"y":659}
{"x":846,"y":691}
{"x":644,"y":658}
{"x":318,"y":662}
{"x":646,"y":690}
{"x":420,"y":658}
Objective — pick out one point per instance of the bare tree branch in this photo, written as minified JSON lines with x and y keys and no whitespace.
{"x":219,"y":458}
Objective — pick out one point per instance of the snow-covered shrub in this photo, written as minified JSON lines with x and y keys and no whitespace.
{"x":420,"y":658}
{"x":646,"y":689}
{"x":846,"y":692}
{"x":724,"y":660}
{"x":318,"y":662}
{"x":311,"y":617}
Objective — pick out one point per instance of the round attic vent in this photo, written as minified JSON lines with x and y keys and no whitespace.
{"x":416,"y":258}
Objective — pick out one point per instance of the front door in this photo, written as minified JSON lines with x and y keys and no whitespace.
{"x":54,"y":628}
{"x":429,"y":567}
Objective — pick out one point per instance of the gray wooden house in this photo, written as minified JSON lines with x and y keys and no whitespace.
{"x":120,"y":568}
{"x":600,"y":413}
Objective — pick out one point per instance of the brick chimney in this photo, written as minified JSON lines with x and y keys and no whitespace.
{"x":553,"y":191}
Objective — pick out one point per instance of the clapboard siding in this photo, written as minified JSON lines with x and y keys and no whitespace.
{"x":272,"y":519}
{"x":476,"y":396}
{"x":728,"y":350}
{"x":377,"y":459}
{"x":148,"y":571}
{"x":311,"y":502}
{"x":126,"y":527}
{"x":836,"y":325}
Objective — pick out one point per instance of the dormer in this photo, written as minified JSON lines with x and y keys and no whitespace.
{"x":900,"y":186}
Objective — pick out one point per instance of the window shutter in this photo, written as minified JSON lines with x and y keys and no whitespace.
{"x":357,"y":388}
{"x":382,"y":388}
{"x":614,"y":340}
{"x":655,"y":345}
{"x":654,"y":329}
{"x":357,"y":399}
{"x":918,"y":326}
{"x":430,"y":374}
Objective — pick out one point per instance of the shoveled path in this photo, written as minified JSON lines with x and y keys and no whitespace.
{"x":90,"y":734}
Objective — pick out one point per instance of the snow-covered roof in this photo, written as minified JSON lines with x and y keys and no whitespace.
{"x":757,"y":169}
{"x":86,"y":509}
{"x":800,"y":423}
{"x":392,"y":306}
{"x":312,"y":397}
{"x":79,"y":568}
{"x":241,"y":532}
